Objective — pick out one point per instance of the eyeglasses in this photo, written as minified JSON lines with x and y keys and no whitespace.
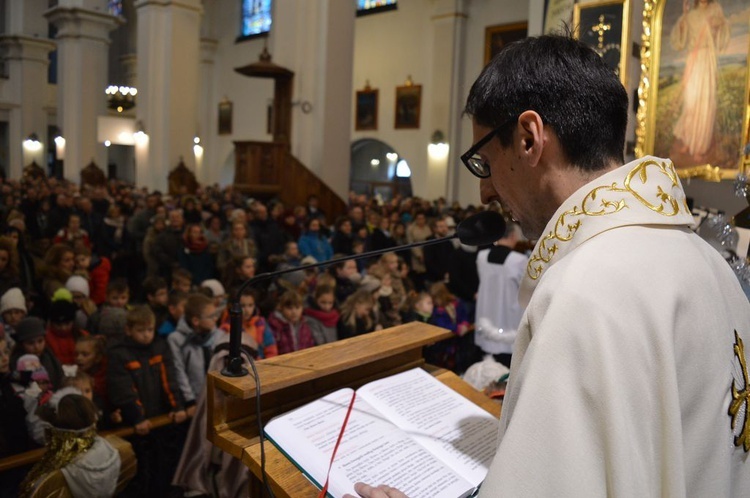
{"x":473,"y":161}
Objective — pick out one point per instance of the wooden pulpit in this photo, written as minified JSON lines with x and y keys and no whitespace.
{"x":294,"y":379}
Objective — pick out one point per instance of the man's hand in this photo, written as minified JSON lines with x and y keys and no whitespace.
{"x":143,"y":428}
{"x":191,"y":410}
{"x":382,"y":491}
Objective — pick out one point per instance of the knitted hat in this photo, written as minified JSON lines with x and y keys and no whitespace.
{"x":13,"y":299}
{"x":76,"y":283}
{"x":28,"y":362}
{"x":214,"y":286}
{"x":62,"y":294}
{"x":112,"y":322}
{"x":29,"y":328}
{"x":62,"y":311}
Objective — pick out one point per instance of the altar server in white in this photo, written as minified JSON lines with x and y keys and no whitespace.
{"x":629,"y":375}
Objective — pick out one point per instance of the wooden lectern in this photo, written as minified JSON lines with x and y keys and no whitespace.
{"x":294,"y":379}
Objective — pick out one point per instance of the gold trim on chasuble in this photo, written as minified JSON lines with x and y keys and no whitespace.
{"x":570,"y":221}
{"x":740,"y":399}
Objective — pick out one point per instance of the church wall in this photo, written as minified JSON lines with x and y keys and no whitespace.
{"x":481,"y":14}
{"x":249,"y":96}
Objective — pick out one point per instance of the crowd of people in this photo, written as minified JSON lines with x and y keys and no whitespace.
{"x":123,"y":294}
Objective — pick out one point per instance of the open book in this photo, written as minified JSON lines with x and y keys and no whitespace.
{"x":409,"y":431}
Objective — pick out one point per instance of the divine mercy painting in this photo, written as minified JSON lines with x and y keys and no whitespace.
{"x":702,"y":78}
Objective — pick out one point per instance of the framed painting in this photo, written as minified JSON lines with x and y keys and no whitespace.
{"x":225,"y":117}
{"x":408,"y":106}
{"x":496,"y":37}
{"x":366,"y":110}
{"x":605,"y":27}
{"x":693,"y":93}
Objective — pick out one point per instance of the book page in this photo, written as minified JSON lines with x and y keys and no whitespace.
{"x":372,"y":450}
{"x":451,"y":427}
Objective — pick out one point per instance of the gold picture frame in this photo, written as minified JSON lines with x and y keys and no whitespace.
{"x":408,"y":106}
{"x":366,"y":113}
{"x":666,"y":123}
{"x":605,"y":27}
{"x":496,"y":37}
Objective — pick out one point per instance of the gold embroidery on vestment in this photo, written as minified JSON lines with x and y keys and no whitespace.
{"x":594,"y":204}
{"x":740,"y":398}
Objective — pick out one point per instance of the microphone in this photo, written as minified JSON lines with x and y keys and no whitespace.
{"x":480,"y":229}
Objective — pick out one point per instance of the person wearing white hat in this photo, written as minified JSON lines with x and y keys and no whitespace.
{"x":217,"y":291}
{"x":13,"y":310}
{"x":79,"y":287}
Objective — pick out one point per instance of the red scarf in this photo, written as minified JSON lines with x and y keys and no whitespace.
{"x":195,"y":246}
{"x":327,"y":318}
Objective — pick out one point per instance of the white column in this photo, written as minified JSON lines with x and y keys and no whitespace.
{"x":82,"y":58}
{"x":168,"y":45}
{"x":321,"y":52}
{"x":27,"y":62}
{"x":205,"y":170}
{"x":446,"y":68}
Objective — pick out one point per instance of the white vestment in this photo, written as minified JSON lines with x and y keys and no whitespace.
{"x":498,"y":311}
{"x":624,"y":366}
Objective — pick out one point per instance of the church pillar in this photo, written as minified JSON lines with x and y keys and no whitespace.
{"x":168,"y":44}
{"x":27,"y":63}
{"x":25,"y":48}
{"x":446,"y":73}
{"x":83,"y":58}
{"x":207,"y":115}
{"x":322,"y":52}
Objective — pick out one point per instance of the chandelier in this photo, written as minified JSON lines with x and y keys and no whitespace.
{"x":120,"y":98}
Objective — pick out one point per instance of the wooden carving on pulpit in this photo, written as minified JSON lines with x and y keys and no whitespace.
{"x":93,"y":175}
{"x":182,"y":181}
{"x":34,"y":172}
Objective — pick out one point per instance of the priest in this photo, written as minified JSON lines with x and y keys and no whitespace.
{"x":629,"y":375}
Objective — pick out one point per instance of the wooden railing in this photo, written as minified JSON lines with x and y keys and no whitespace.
{"x":267,"y":169}
{"x":34,"y":456}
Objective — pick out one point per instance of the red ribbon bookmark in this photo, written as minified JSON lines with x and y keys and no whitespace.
{"x":324,"y":490}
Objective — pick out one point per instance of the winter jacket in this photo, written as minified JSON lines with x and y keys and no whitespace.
{"x":192,"y":354}
{"x":141,"y":380}
{"x":290,"y":338}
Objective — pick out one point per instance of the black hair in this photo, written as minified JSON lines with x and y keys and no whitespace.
{"x":568,"y":85}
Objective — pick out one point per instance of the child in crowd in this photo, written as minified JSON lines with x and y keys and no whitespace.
{"x":91,"y":360}
{"x":458,"y":353}
{"x":12,"y":310}
{"x":30,"y":340}
{"x":290,"y":328}
{"x":141,"y":382}
{"x":191,"y":345}
{"x":239,"y":269}
{"x":118,"y":295}
{"x":182,"y":280}
{"x":175,"y":311}
{"x":141,"y":378}
{"x":61,"y":331}
{"x":420,"y":308}
{"x":96,"y":270}
{"x":321,"y":314}
{"x":358,"y":315}
{"x":347,"y":277}
{"x":216,"y":292}
{"x":259,"y":335}
{"x":157,"y":298}
{"x":79,"y":289}
{"x":89,"y":464}
{"x":13,"y":436}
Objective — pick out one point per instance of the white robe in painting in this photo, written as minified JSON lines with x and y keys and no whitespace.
{"x":626,"y":358}
{"x":703,"y":31}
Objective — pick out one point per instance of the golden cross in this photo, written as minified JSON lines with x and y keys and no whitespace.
{"x":600,"y":29}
